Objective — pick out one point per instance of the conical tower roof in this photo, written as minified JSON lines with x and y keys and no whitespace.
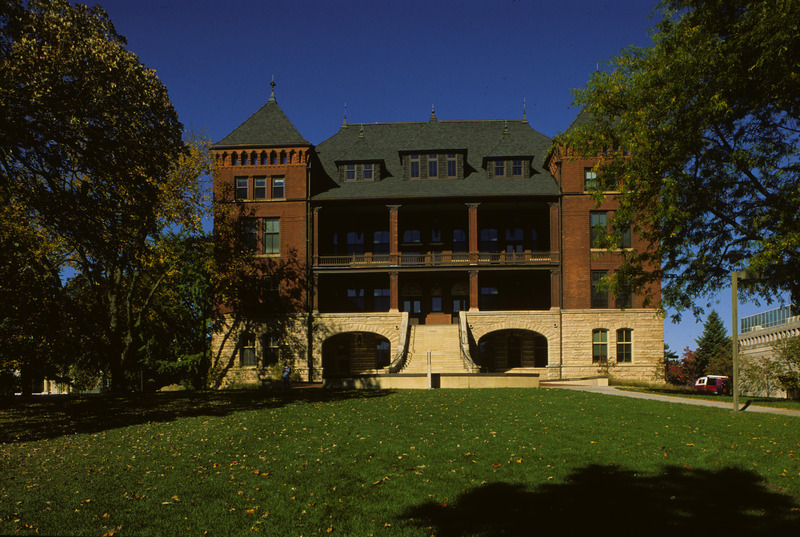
{"x":269,"y":126}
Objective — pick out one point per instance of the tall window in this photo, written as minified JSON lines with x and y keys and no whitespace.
{"x":625,"y":240}
{"x":412,"y":236}
{"x":489,"y":299}
{"x":247,"y":350}
{"x":488,"y":240}
{"x":241,"y":188}
{"x":234,"y":159}
{"x":413,"y":165}
{"x":499,"y":168}
{"x":380,"y":242}
{"x":272,"y":236}
{"x":459,"y":241}
{"x":264,"y":158}
{"x":277,"y":188}
{"x":433,"y":166}
{"x":381,"y":299}
{"x":589,"y":179}
{"x":452,"y":168}
{"x":368,"y":172}
{"x":599,"y":228}
{"x":514,"y":238}
{"x":355,"y":242}
{"x":350,"y":172}
{"x":259,"y":188}
{"x":599,"y":293}
{"x":356,"y":299}
{"x":516,"y":168}
{"x":272,"y":350}
{"x":625,"y":345}
{"x":599,"y":346}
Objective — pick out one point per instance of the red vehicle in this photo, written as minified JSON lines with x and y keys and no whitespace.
{"x":711,"y":384}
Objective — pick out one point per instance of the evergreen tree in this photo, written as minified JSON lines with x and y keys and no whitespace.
{"x":713,"y":353}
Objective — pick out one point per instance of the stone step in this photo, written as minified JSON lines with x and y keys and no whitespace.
{"x":443,"y":343}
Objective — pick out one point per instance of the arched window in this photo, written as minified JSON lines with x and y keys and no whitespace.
{"x":234,"y":159}
{"x":264,"y":158}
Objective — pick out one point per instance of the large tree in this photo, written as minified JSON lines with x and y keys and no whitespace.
{"x":701,"y":131}
{"x":92,"y":149}
{"x":713,"y":354}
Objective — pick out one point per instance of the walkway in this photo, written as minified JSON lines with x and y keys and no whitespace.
{"x":727,"y":405}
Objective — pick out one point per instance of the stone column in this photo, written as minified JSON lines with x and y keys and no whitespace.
{"x":473,"y":233}
{"x":394,"y":292}
{"x":555,"y":231}
{"x":473,"y":290}
{"x":394,"y":251}
{"x":315,"y":293}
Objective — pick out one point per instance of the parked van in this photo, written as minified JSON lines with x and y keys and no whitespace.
{"x":711,"y":384}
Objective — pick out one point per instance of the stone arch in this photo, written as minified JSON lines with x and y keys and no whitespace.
{"x":355,"y":352}
{"x":503,"y":350}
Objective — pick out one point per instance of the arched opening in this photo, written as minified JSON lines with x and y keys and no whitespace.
{"x":503,"y":350}
{"x":354,"y":353}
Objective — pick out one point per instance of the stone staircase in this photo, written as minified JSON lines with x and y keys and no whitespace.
{"x":443,"y":342}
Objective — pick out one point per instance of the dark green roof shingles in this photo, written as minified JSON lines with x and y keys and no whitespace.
{"x":269,"y":126}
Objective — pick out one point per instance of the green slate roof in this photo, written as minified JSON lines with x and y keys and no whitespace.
{"x":360,"y":151}
{"x":474,"y":139}
{"x":269,"y":126}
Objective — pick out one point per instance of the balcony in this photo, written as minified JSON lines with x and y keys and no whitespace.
{"x":436,"y":259}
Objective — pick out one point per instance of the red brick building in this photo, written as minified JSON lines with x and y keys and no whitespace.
{"x":469,"y":240}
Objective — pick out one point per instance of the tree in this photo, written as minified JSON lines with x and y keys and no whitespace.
{"x":690,"y":369}
{"x":787,"y":359}
{"x":92,"y":149}
{"x":700,"y":131}
{"x":713,"y":353}
{"x":673,"y":372}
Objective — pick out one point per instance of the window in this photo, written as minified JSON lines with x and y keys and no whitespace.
{"x":625,"y":345}
{"x":234,"y":159}
{"x":488,"y":240}
{"x":272,"y":236}
{"x":350,"y":172}
{"x":283,"y":157}
{"x":273,"y":158}
{"x":264,"y":158}
{"x":260,"y":188}
{"x":412,"y":236}
{"x":277,"y":188}
{"x":249,"y":232}
{"x":436,"y":235}
{"x":459,"y":240}
{"x":241,"y":188}
{"x":599,"y":293}
{"x":380,"y":242}
{"x":436,"y":304}
{"x":599,"y":228}
{"x":452,"y":168}
{"x":489,"y":298}
{"x":589,"y":179}
{"x":624,"y":299}
{"x":414,"y":165}
{"x":356,"y":299}
{"x":516,"y":168}
{"x":514,"y":238}
{"x":599,"y":346}
{"x":355,"y":242}
{"x":367,"y":172}
{"x":499,"y":168}
{"x":381,"y":299}
{"x":433,"y":166}
{"x":247,"y":351}
{"x":272,"y":350}
{"x":625,"y":240}
{"x":244,"y":159}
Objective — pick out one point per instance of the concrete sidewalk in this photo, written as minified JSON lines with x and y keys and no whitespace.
{"x":613,"y":390}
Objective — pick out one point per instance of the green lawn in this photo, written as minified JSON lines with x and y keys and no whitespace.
{"x":442,"y":462}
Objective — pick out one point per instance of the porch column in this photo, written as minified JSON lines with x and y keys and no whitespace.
{"x":555,"y":288}
{"x":473,"y":290}
{"x":394,"y":253}
{"x":394,"y":294}
{"x":473,"y":234}
{"x":315,"y":231}
{"x":555,"y":231}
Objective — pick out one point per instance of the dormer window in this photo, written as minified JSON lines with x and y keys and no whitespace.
{"x":367,"y":171}
{"x":514,"y":167}
{"x":433,"y":166}
{"x":414,"y":165}
{"x":452,"y":168}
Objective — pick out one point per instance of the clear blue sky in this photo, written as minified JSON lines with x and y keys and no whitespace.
{"x":388,"y":61}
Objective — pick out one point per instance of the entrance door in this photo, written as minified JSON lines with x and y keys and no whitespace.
{"x":514,"y":357}
{"x":414,"y":308}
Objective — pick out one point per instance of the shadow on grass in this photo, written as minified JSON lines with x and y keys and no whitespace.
{"x":678,"y":501}
{"x":24,"y":419}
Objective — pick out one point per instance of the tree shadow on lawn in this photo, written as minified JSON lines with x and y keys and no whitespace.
{"x":677,"y":501}
{"x":25,"y":419}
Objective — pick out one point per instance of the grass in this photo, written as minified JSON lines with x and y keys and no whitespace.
{"x":688,"y":391}
{"x":442,"y":462}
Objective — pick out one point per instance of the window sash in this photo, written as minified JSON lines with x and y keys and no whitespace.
{"x":271,"y":236}
{"x":625,"y":345}
{"x":241,"y":188}
{"x":433,"y":166}
{"x":259,"y":188}
{"x":278,"y":191}
{"x":599,"y":346}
